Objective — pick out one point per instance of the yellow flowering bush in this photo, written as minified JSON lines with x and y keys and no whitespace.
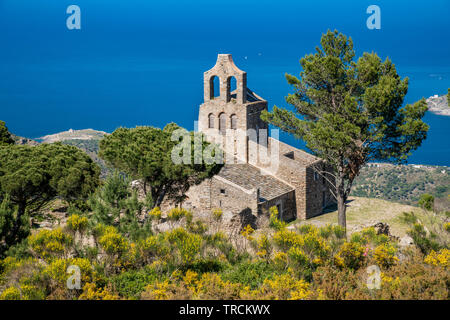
{"x":101,"y":229}
{"x":113,"y":242}
{"x":50,"y":243}
{"x":350,"y":255}
{"x":77,"y":223}
{"x":247,"y":232}
{"x":311,"y":245}
{"x":440,"y":258}
{"x":314,"y":245}
{"x":158,"y":291}
{"x":57,"y":270}
{"x":217,"y":214}
{"x":190,"y":248}
{"x":282,"y":287}
{"x":155,"y":213}
{"x":263,"y":247}
{"x":307,"y":228}
{"x":274,"y":222}
{"x":22,"y":292}
{"x":11,"y":293}
{"x":331,"y":230}
{"x":190,"y":278}
{"x":153,"y":247}
{"x":447,"y":226}
{"x":176,"y":214}
{"x":285,"y":239}
{"x":91,"y":292}
{"x":11,"y":263}
{"x":297,"y":256}
{"x":188,"y":244}
{"x":211,"y":286}
{"x":384,"y":255}
{"x":280,"y":260}
{"x":386,"y":280}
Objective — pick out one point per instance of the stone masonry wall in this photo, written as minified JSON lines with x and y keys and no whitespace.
{"x":285,"y":203}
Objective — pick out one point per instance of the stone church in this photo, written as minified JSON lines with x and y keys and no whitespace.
{"x":296,"y":185}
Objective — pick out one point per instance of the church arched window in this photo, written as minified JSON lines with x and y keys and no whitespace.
{"x":231,"y":86}
{"x":222,"y":122}
{"x":211,"y":121}
{"x":233,"y":120}
{"x":214,"y":87}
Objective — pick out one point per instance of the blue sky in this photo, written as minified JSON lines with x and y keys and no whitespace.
{"x":140,"y":62}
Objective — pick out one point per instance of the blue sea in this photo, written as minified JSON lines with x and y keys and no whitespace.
{"x":140,"y":62}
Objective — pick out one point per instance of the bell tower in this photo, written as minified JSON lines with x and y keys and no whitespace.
{"x":225,"y":70}
{"x":230,"y":110}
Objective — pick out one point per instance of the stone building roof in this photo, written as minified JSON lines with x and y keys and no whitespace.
{"x":294,"y":155}
{"x":251,"y":96}
{"x":250,"y":177}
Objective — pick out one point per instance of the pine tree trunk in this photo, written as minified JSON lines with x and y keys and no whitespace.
{"x":342,"y":219}
{"x":340,"y":191}
{"x":17,"y":223}
{"x":160,"y":197}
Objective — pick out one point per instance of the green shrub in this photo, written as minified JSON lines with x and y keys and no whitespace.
{"x":424,"y":242}
{"x":426,"y":201}
{"x":249,"y":273}
{"x":131,"y":284}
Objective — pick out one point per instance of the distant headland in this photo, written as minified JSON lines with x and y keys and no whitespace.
{"x":438,"y":105}
{"x":85,"y":134}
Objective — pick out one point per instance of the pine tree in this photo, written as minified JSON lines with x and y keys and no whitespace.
{"x":350,"y":113}
{"x":8,"y":219}
{"x":108,"y":201}
{"x":114,"y":204}
{"x":145,"y":153}
{"x":34,"y":176}
{"x":5,"y":136}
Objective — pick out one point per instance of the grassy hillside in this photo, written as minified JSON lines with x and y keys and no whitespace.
{"x":365,"y":212}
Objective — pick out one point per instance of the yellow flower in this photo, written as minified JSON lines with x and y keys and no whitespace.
{"x":217,"y":214}
{"x":247,"y":232}
{"x":47,"y":243}
{"x":155,"y":213}
{"x":77,"y":223}
{"x":11,"y":293}
{"x":113,"y":242}
{"x":91,"y":292}
{"x":280,"y":259}
{"x":384,"y":255}
{"x":447,"y":226}
{"x":440,"y":258}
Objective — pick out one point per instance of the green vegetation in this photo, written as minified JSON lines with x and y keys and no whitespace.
{"x":404,"y":184}
{"x":91,"y":147}
{"x":426,"y":202}
{"x":5,"y":136}
{"x":145,"y":153}
{"x":30,"y":177}
{"x":114,"y":204}
{"x":184,"y":262}
{"x":350,"y":112}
